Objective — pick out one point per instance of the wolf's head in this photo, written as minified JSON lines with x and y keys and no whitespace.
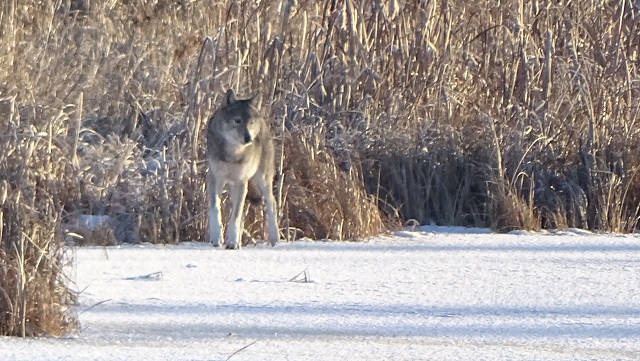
{"x":238,"y":120}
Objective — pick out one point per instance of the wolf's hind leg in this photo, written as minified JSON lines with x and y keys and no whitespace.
{"x":266,"y":188}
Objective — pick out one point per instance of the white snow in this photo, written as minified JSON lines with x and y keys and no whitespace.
{"x":434,"y":293}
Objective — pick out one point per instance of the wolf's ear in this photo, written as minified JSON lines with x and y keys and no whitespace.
{"x":230,"y":97}
{"x":256,"y":99}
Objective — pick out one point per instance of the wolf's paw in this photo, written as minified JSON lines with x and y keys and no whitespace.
{"x":273,"y":242}
{"x":232,"y":246}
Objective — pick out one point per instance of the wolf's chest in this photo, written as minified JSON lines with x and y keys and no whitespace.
{"x":234,"y":172}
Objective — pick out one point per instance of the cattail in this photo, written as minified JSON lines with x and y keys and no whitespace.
{"x":340,"y":16}
{"x":265,"y":34}
{"x":4,"y":190}
{"x":392,"y":9}
{"x":287,"y":8}
{"x":352,"y":19}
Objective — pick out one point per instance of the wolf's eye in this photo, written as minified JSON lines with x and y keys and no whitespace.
{"x":237,"y":120}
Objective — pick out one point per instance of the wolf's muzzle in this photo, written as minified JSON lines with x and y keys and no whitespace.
{"x":248,"y":138}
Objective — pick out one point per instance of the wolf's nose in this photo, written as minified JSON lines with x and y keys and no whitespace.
{"x":247,"y":138}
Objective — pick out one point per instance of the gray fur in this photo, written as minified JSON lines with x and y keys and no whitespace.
{"x":240,"y":155}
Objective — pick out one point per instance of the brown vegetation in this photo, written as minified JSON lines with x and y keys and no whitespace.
{"x":33,"y":292}
{"x":512,"y":114}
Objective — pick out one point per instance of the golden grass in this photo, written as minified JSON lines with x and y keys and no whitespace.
{"x":518,"y":115}
{"x":321,"y":198}
{"x":34,"y":299}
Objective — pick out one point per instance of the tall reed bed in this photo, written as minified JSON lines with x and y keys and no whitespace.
{"x":34,"y":299}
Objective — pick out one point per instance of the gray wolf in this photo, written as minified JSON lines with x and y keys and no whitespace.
{"x":240,"y":154}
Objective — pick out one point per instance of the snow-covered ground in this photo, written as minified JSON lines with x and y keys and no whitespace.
{"x":432,"y":294}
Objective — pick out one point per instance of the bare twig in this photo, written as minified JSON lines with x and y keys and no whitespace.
{"x":242,"y":349}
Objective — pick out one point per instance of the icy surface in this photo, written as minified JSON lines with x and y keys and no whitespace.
{"x":429,"y":294}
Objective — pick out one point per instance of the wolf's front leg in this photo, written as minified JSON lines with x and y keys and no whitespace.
{"x":237,"y":194}
{"x":214,"y":191}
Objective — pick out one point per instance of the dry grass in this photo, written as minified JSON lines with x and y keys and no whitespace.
{"x":322,"y":199}
{"x":516,"y":114}
{"x":34,"y":299}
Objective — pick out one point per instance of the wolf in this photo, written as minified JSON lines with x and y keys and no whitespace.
{"x":240,"y":154}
